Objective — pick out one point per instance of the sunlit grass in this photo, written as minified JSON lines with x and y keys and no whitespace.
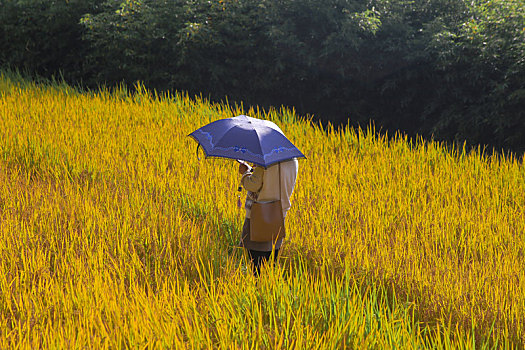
{"x":113,"y":233}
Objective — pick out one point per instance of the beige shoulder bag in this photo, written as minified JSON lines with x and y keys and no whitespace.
{"x":266,"y":219}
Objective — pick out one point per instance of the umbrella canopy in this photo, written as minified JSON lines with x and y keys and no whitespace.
{"x":250,"y":139}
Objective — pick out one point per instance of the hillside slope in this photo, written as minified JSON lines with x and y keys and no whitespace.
{"x":110,"y":221}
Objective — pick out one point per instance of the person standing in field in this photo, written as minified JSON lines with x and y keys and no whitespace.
{"x":263,"y":185}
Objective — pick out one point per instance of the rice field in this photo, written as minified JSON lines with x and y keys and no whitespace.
{"x":114,"y":234}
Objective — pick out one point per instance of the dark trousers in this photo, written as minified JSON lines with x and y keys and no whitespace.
{"x":258,"y":258}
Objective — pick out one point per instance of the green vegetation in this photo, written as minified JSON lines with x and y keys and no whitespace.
{"x":113,"y":234}
{"x":452,"y":69}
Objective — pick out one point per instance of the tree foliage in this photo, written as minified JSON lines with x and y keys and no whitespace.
{"x":453,"y":69}
{"x":44,"y":36}
{"x":482,"y":67}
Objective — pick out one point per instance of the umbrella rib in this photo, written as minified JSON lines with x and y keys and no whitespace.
{"x":260,"y":145}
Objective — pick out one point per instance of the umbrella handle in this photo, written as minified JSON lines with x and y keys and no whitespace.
{"x":197,"y":151}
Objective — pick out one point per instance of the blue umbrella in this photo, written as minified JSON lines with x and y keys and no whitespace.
{"x":250,"y":139}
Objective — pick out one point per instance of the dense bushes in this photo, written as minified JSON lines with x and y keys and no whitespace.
{"x":44,"y":36}
{"x":449,"y":68}
{"x":482,"y":73}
